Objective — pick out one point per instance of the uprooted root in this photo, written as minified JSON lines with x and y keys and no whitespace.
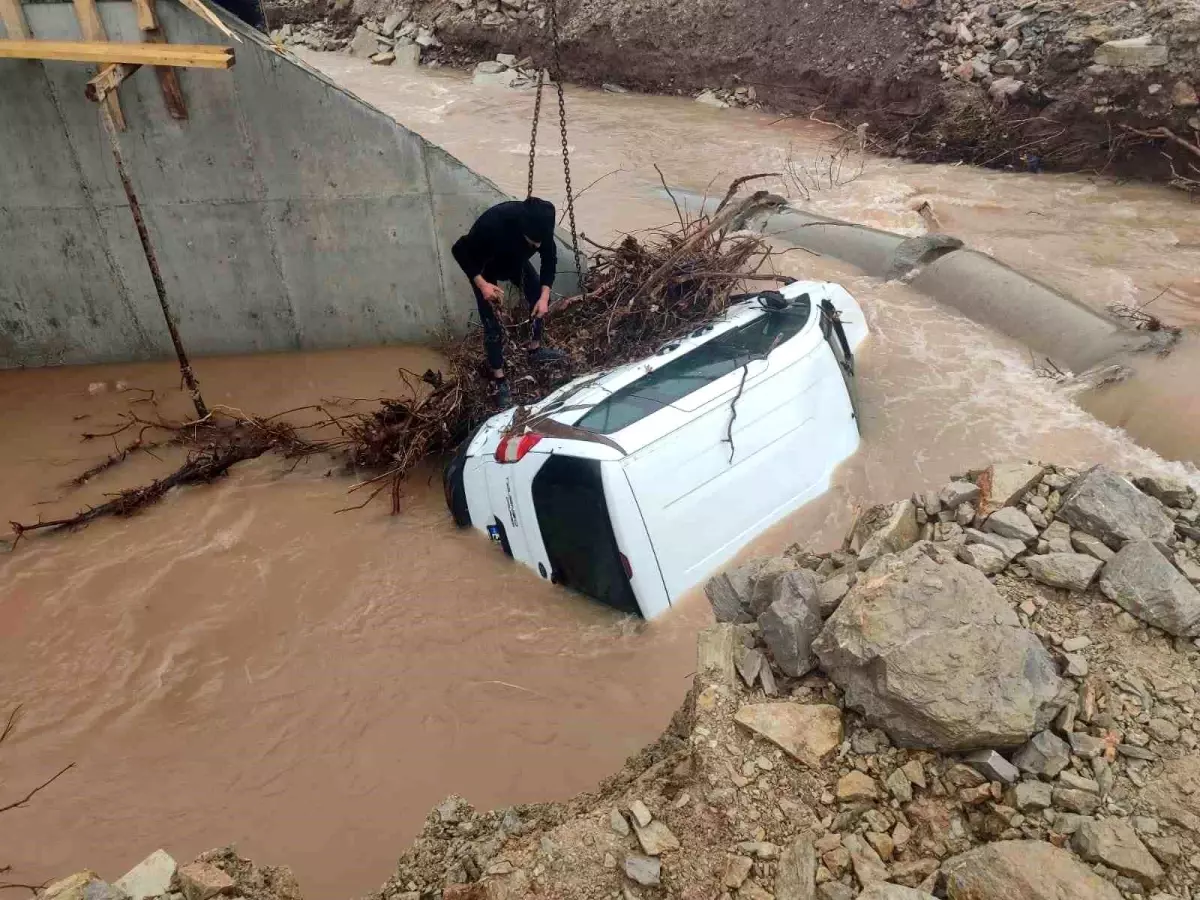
{"x":640,"y":294}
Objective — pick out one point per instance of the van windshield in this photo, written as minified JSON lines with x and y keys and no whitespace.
{"x":725,"y":353}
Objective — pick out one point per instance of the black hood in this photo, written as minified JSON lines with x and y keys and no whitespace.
{"x":537,"y":220}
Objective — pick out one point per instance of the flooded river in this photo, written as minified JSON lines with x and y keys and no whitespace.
{"x":246,"y":664}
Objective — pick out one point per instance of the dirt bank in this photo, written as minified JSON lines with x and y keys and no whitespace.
{"x":980,"y":698}
{"x":1014,"y":83}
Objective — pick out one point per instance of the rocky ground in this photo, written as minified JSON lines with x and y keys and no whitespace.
{"x":989,"y":693}
{"x":1071,"y":84}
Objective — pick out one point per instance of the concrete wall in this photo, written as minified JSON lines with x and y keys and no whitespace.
{"x":286,"y":213}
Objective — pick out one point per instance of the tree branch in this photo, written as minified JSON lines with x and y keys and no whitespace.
{"x":43,"y":785}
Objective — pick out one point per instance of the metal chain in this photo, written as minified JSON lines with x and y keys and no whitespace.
{"x":556,"y":74}
{"x":537,"y":113}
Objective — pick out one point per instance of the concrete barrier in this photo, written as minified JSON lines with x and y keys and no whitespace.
{"x":980,"y":287}
{"x":286,"y":212}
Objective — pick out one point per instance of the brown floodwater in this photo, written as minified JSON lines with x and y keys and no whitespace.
{"x":244,"y":663}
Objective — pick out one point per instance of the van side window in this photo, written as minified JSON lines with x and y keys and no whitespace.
{"x":725,"y":353}
{"x":835,"y":334}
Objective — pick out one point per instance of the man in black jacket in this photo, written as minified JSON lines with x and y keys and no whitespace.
{"x":498,"y":248}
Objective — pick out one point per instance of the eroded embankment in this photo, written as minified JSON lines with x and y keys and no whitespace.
{"x":1085,"y":84}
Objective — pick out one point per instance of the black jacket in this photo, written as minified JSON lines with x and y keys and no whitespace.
{"x":496,"y":247}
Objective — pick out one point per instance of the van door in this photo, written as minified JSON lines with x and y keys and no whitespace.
{"x":572,"y":515}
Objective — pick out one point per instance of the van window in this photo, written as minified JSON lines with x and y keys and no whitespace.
{"x":725,"y":353}
{"x":572,"y":513}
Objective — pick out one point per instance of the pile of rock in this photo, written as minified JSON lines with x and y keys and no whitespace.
{"x":742,"y":96}
{"x":1005,"y":46}
{"x":315,"y":36}
{"x":398,"y":39}
{"x":215,"y":875}
{"x":507,"y":71}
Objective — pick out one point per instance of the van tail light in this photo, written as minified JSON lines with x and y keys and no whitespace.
{"x":513,"y":449}
{"x":626,"y":566}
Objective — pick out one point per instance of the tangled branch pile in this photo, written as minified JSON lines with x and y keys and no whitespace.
{"x":640,"y":294}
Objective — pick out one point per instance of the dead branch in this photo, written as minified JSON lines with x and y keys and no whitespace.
{"x":45,"y":784}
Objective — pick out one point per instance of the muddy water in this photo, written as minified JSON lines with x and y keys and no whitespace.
{"x":246,"y":664}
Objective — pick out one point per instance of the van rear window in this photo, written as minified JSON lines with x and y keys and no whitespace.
{"x":725,"y":353}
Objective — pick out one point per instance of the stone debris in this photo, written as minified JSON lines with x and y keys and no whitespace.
{"x":1104,"y":504}
{"x":1116,"y":845}
{"x":986,"y":559}
{"x":885,"y":529}
{"x":202,"y":881}
{"x":1142,"y":581}
{"x":992,"y":766}
{"x":149,"y":878}
{"x":972,"y":676}
{"x":1046,"y":754}
{"x":807,"y":733}
{"x":795,"y":877}
{"x":1070,"y":571}
{"x":618,"y":823}
{"x":645,"y":870}
{"x":656,"y":838}
{"x":1023,"y":870}
{"x":1003,"y":484}
{"x":1136,"y":52}
{"x":791,"y":623}
{"x":856,"y":786}
{"x":1010,"y":522}
{"x":733,"y":594}
{"x":641,"y":814}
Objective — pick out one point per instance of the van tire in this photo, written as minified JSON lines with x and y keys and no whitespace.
{"x":455,"y":489}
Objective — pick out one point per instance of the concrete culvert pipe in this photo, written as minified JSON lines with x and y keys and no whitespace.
{"x":975,"y":284}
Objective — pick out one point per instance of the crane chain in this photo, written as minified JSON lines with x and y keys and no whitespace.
{"x":556,"y":74}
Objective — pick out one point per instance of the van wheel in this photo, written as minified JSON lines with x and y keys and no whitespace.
{"x":455,"y":489}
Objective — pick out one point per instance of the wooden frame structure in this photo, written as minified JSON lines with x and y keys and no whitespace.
{"x":116,"y":62}
{"x":154,"y":50}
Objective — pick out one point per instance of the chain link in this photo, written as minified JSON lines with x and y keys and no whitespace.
{"x":556,"y":74}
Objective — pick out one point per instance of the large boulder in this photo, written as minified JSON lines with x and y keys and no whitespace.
{"x":1141,"y":580}
{"x":1072,"y":571}
{"x":931,"y":653}
{"x":1023,"y":870}
{"x":1170,"y":490}
{"x":1104,"y":504}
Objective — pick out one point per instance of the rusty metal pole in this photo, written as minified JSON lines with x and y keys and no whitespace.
{"x":185,"y":367}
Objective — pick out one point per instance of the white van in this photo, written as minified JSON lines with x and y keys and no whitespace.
{"x":633,"y":485}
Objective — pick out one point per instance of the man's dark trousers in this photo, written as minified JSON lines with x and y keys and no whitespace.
{"x":493,"y":331}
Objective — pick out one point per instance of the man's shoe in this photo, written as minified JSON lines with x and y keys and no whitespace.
{"x":503,"y":393}
{"x":544,"y":355}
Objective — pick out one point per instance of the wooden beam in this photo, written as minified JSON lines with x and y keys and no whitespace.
{"x":198,"y":7}
{"x":168,"y":78}
{"x":147,"y":16}
{"x":108,"y":80}
{"x":92,"y":29}
{"x":13,"y":17}
{"x":199,"y":56}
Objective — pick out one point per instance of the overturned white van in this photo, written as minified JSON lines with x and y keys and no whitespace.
{"x":633,"y":485}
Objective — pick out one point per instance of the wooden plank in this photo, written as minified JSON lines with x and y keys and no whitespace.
{"x":168,"y":78}
{"x":198,"y":7}
{"x":147,"y":16}
{"x":199,"y":56}
{"x":168,"y":82}
{"x":92,"y":29}
{"x":13,"y":17}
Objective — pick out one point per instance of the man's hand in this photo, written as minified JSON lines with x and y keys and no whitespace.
{"x":491,"y":292}
{"x":543,"y":305}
